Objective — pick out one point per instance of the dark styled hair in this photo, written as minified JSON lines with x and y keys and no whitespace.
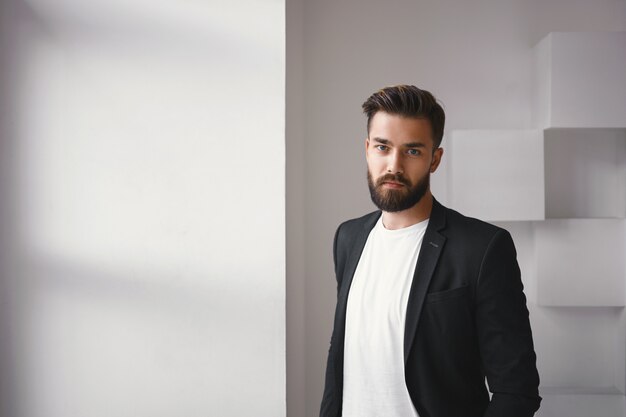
{"x":407,"y":101}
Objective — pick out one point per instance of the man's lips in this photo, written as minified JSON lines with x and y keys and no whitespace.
{"x":393,"y":184}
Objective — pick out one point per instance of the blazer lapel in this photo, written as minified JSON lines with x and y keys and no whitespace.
{"x":342,"y":300}
{"x":355,"y":254}
{"x":432,"y":244}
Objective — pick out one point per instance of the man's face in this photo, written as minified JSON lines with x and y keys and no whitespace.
{"x":400,"y":158}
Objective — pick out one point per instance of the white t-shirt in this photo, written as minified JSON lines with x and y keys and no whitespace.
{"x":373,"y":373}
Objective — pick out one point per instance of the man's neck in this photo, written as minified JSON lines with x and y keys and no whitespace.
{"x":405,"y":218}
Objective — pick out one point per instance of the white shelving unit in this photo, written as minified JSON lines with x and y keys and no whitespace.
{"x":552,"y":174}
{"x":572,"y":361}
{"x":578,"y":80}
{"x":568,"y":179}
{"x":576,"y":266}
{"x":582,"y":405}
{"x":585,"y":173}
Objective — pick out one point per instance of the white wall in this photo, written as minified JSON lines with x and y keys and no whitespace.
{"x":476,"y":57}
{"x":146,"y":220}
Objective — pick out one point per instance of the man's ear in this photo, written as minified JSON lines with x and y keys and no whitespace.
{"x":437,"y":154}
{"x":367,"y":144}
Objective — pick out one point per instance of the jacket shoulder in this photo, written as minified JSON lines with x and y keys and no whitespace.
{"x":472,"y":231}
{"x":355,"y":225}
{"x":347,"y":233}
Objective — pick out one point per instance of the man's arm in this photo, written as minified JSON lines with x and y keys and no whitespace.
{"x":504,"y":334}
{"x":330,"y":390}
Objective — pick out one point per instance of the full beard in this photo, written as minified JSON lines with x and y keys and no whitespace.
{"x":391,"y":200}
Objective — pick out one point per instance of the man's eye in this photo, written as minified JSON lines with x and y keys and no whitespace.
{"x":413,"y":152}
{"x":381,"y":147}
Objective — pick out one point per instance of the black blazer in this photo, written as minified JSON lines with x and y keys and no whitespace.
{"x":466,"y":320}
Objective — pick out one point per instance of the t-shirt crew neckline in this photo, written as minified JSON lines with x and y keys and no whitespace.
{"x":404,"y":230}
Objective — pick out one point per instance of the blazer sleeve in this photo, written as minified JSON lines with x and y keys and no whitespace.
{"x":337,"y":268}
{"x":504,"y":334}
{"x":329,"y":397}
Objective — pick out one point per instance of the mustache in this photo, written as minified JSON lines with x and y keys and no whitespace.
{"x":393,"y":177}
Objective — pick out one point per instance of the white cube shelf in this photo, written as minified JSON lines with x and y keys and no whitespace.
{"x":579,"y":80}
{"x":582,"y":405}
{"x":577,"y":349}
{"x":580,"y":262}
{"x":497,"y":175}
{"x":585,"y":173}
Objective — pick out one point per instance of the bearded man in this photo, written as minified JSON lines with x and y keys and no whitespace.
{"x":430,"y":303}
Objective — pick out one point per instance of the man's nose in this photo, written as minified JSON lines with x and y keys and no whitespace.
{"x":394,"y":163}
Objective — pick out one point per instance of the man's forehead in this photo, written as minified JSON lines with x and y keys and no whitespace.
{"x":398,"y":129}
{"x":385,"y":120}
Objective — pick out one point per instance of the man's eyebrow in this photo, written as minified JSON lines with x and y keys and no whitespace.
{"x":406,"y":145}
{"x":381,"y":140}
{"x":414,"y":145}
